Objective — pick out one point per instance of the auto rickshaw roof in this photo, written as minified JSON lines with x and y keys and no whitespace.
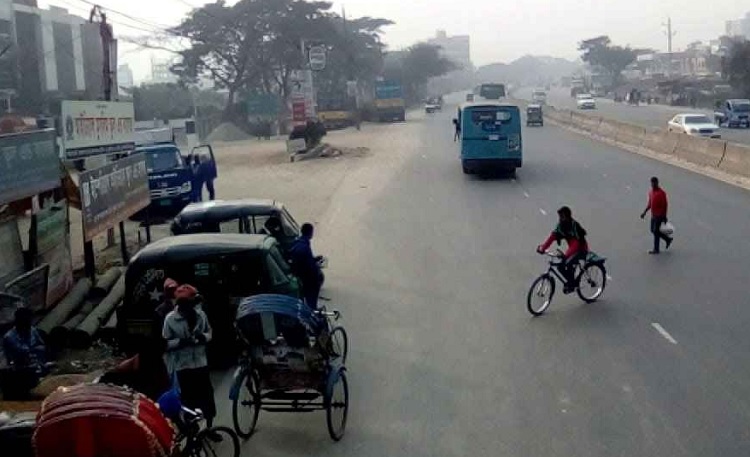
{"x":186,"y":247}
{"x":226,"y":209}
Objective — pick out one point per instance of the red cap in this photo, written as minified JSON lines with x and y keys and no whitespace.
{"x":186,"y":291}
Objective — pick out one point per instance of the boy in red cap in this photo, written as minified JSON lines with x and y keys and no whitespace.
{"x":187,"y":332}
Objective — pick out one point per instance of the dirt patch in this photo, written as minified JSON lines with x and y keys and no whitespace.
{"x":227,"y":132}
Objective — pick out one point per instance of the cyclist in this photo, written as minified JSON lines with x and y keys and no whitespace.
{"x":574,"y":234}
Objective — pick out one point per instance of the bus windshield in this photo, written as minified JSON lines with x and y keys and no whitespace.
{"x":492,"y":91}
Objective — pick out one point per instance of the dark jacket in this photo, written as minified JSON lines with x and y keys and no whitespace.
{"x":304,"y":264}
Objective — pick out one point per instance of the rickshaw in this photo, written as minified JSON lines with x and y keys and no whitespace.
{"x":294,"y":362}
{"x":534,"y":115}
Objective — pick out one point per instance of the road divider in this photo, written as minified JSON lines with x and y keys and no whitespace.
{"x":718,"y":154}
{"x":736,"y":159}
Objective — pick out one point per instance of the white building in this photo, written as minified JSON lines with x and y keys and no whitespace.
{"x":160,"y":72}
{"x":739,"y":27}
{"x":124,"y":76}
{"x":49,"y":51}
{"x":455,"y":48}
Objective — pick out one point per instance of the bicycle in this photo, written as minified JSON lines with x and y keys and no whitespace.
{"x":338,"y":340}
{"x":589,"y":283}
{"x":196,"y":440}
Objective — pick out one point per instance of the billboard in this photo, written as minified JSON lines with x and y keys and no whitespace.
{"x":28,"y":164}
{"x":92,"y":128}
{"x":112,"y":193}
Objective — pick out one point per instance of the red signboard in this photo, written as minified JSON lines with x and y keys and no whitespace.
{"x":298,"y":110}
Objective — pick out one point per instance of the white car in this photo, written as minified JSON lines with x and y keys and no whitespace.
{"x":694,"y":124}
{"x":585,"y":101}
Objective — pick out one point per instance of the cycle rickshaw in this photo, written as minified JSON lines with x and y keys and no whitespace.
{"x":294,"y":362}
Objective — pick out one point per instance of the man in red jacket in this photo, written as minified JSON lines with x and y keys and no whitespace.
{"x":657,"y":204}
{"x":574,"y":234}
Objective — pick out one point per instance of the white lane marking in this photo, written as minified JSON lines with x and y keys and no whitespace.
{"x":526,"y":194}
{"x":604,"y":175}
{"x":542,"y":211}
{"x":609,"y":278}
{"x":663,"y":332}
{"x":628,"y":188}
{"x":424,"y":156}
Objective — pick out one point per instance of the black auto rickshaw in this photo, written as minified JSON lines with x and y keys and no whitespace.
{"x":251,"y":216}
{"x":225,"y":268}
{"x":534,"y":115}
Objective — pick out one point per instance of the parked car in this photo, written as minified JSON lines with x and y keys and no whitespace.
{"x":694,"y":124}
{"x":225,"y":268}
{"x":585,"y":101}
{"x":734,"y":113}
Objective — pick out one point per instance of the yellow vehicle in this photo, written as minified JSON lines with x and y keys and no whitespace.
{"x":336,"y":112}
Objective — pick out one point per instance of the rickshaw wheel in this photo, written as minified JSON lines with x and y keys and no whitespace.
{"x":339,"y":342}
{"x":246,"y":407}
{"x":337,"y":407}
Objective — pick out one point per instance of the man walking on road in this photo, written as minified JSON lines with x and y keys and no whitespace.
{"x":657,"y":204}
{"x":306,"y":266}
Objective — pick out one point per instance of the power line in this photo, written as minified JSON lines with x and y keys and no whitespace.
{"x":141,"y":21}
{"x":151,"y":29}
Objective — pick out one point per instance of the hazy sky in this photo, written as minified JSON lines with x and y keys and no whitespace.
{"x":500,"y":30}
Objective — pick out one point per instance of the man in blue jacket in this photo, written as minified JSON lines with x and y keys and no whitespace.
{"x":306,"y":266}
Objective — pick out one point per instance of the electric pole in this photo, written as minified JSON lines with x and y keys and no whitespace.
{"x":670,"y":34}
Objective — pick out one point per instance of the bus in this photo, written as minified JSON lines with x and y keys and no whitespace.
{"x":490,"y":91}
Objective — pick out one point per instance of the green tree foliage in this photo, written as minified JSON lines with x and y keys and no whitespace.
{"x":170,"y":101}
{"x":737,"y":66}
{"x":415,"y":66}
{"x":601,"y":54}
{"x":255,"y":45}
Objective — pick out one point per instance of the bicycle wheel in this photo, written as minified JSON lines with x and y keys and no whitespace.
{"x":339,"y":342}
{"x":216,"y":442}
{"x":591,"y":282}
{"x":337,"y":407}
{"x":540,"y":294}
{"x":246,"y":405}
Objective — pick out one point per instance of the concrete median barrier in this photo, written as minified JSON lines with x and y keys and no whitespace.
{"x":661,"y":142}
{"x":701,"y":151}
{"x":631,"y":135}
{"x":736,"y":159}
{"x":607,"y":129}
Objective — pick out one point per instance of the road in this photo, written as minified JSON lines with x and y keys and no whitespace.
{"x":430,"y":269}
{"x":645,"y":115}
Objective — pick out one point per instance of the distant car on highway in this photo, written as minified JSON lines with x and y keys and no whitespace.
{"x":734,"y":113}
{"x":694,"y":125}
{"x":585,"y":101}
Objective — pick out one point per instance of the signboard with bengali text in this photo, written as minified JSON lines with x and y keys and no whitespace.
{"x":112,"y":193}
{"x":92,"y":128}
{"x":29,"y":164}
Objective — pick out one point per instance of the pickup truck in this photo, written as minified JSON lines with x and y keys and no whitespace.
{"x":733,"y":113}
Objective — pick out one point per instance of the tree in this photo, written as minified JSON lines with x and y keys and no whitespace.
{"x":251,"y":44}
{"x":170,"y":101}
{"x":737,"y":66}
{"x":415,"y":66}
{"x":612,"y":60}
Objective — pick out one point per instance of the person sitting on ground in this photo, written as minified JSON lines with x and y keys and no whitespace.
{"x":26,"y":354}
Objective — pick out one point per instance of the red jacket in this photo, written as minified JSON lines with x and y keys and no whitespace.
{"x":657,"y":202}
{"x":574,"y":235}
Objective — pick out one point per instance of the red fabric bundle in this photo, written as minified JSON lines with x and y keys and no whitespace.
{"x":98,"y":420}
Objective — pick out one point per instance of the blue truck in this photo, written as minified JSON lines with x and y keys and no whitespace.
{"x":170,"y":176}
{"x":389,"y":102}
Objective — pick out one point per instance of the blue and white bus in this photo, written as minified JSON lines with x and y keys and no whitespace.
{"x":489,"y":91}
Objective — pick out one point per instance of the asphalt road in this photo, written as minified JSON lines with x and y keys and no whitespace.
{"x":431,"y":268}
{"x":645,"y":115}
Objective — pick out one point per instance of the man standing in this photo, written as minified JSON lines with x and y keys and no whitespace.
{"x":187,"y":331}
{"x":306,"y":266}
{"x":657,"y":204}
{"x":208,"y":174}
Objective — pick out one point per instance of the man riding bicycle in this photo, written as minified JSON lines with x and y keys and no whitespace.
{"x":574,"y":234}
